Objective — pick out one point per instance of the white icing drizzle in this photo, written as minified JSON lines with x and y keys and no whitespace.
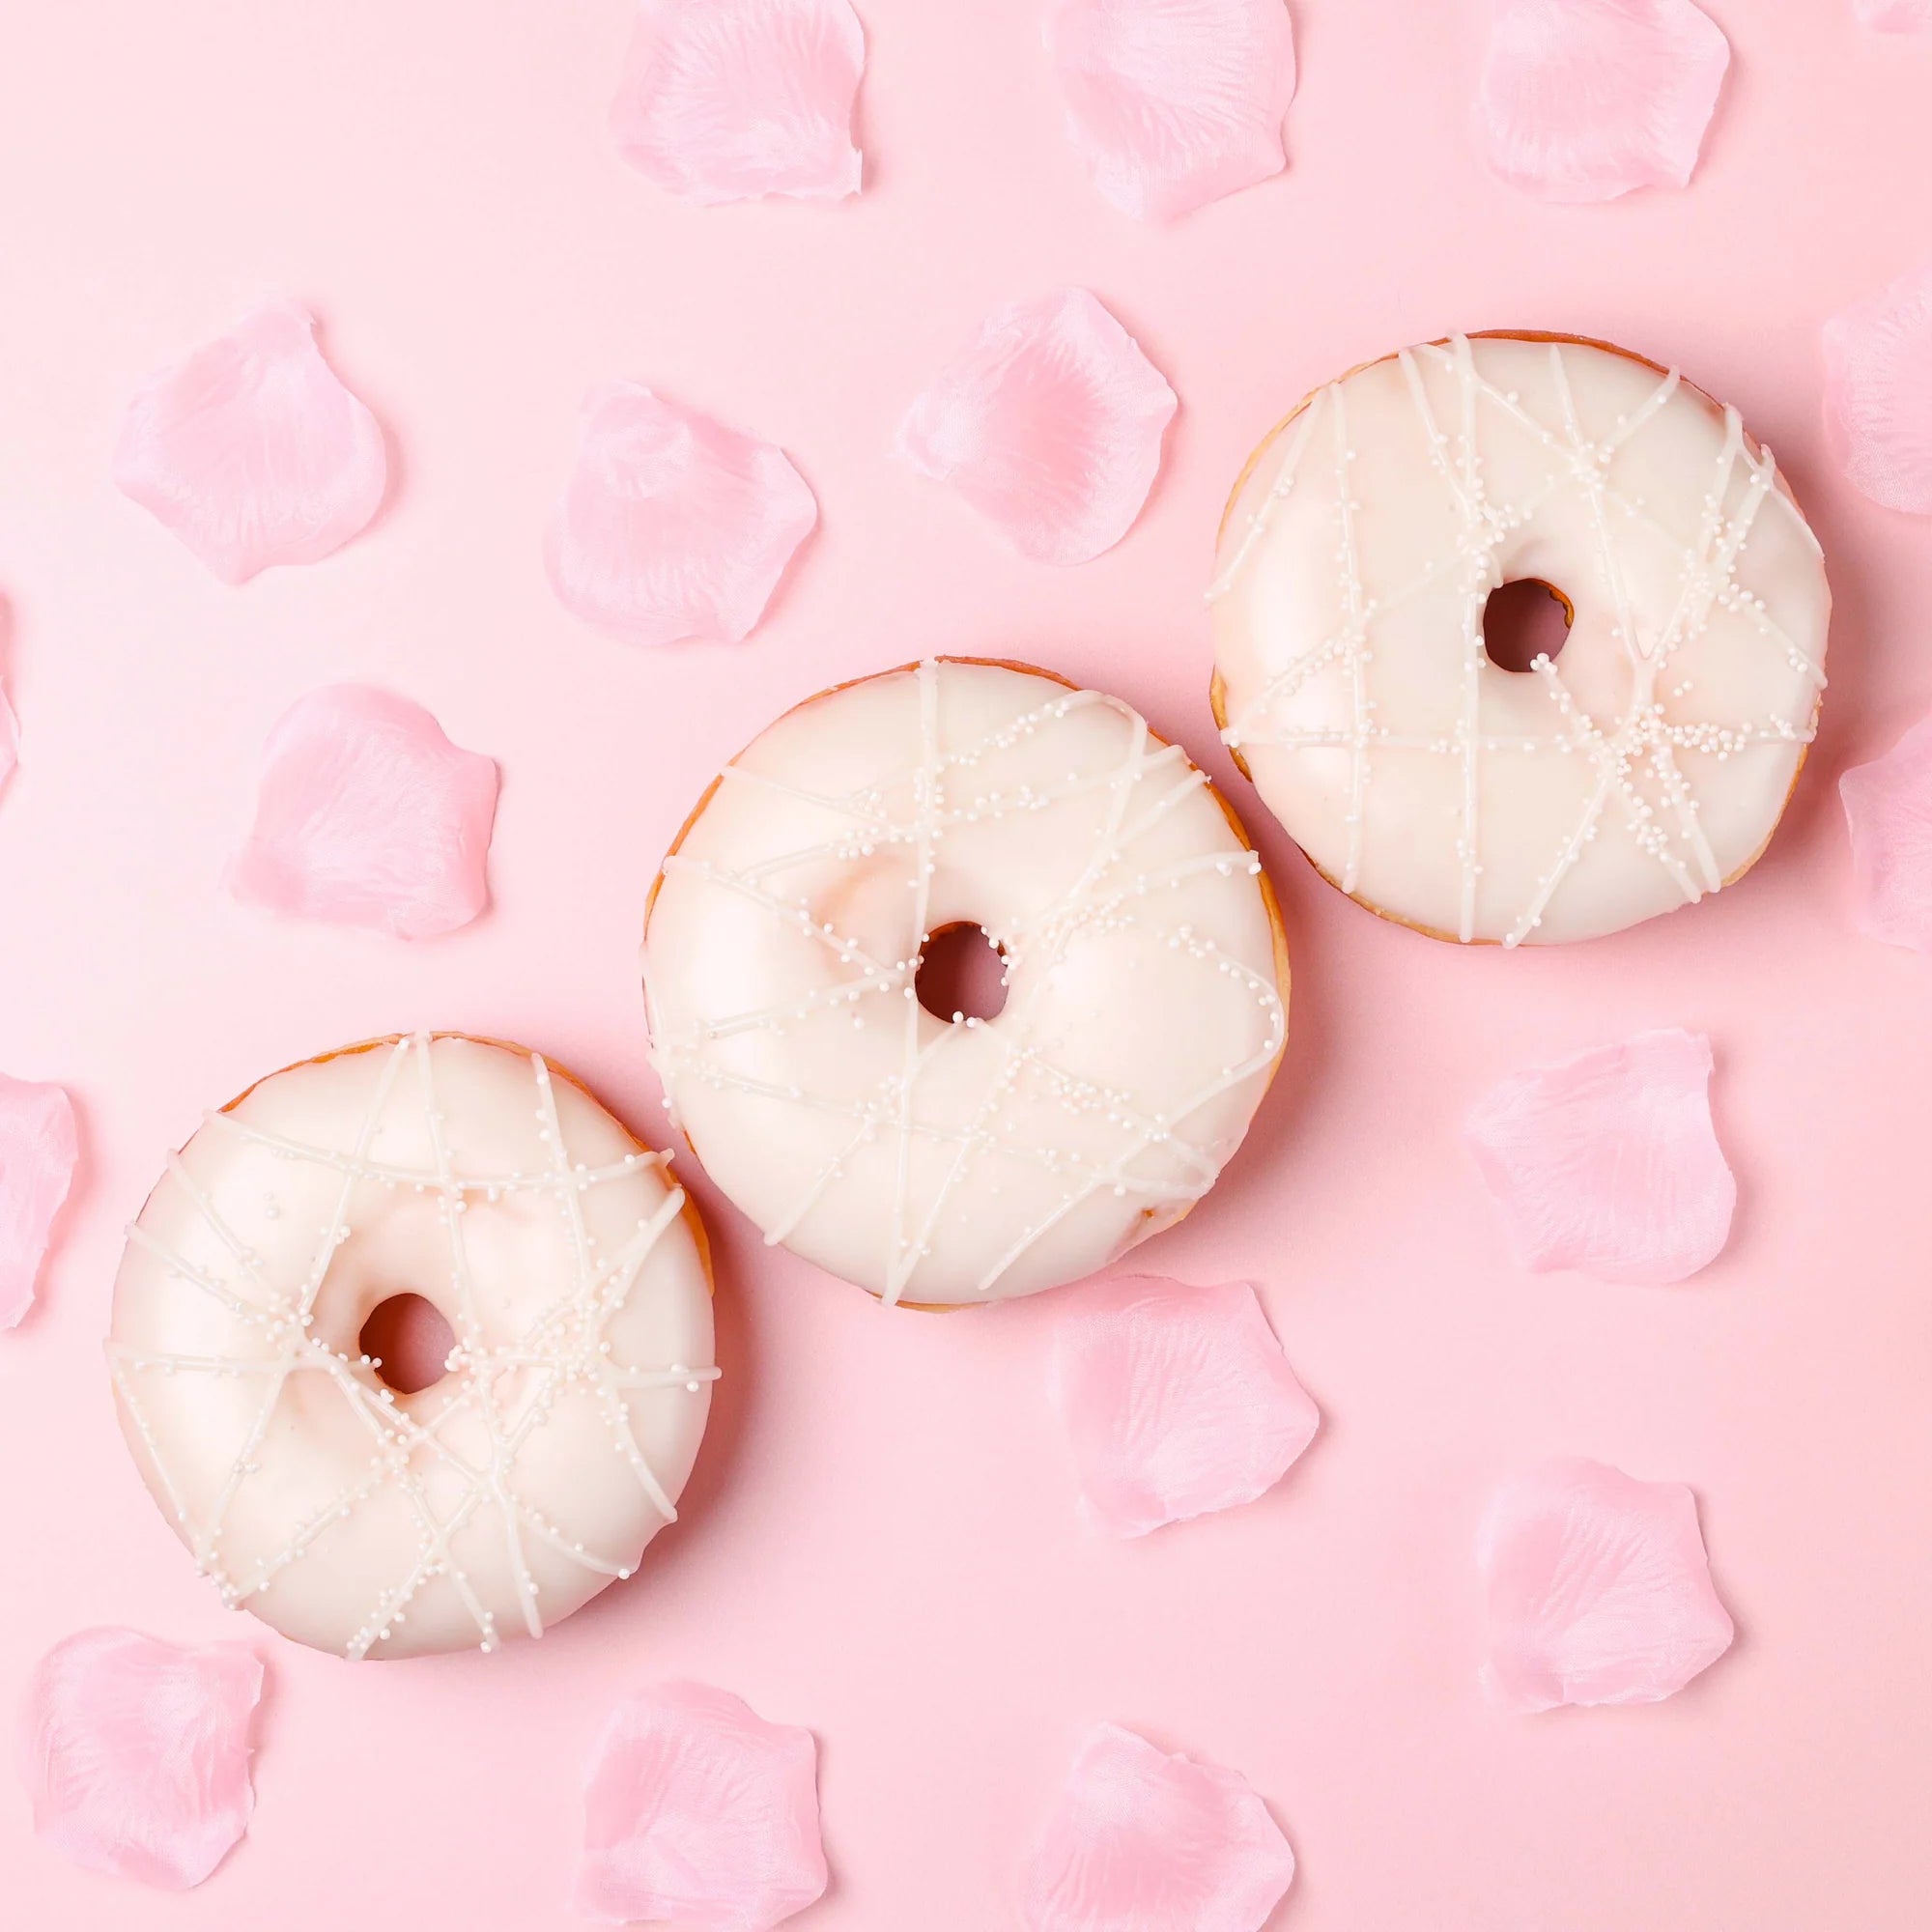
{"x":509,"y":1389}
{"x":1633,"y":756}
{"x":1018,"y":1107}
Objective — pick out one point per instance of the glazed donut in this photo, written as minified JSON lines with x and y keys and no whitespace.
{"x":572,"y":1273}
{"x":1642,"y":766}
{"x":933,"y":1160}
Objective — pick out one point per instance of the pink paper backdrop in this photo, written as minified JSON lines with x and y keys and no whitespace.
{"x":882,"y":1541}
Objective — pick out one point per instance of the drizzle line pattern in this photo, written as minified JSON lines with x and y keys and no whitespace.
{"x":507,"y":1389}
{"x":1151,"y":1156}
{"x":1634,"y":759}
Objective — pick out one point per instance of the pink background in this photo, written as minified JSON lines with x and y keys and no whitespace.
{"x":882,"y":1542}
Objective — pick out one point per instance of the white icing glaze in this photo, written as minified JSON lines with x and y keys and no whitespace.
{"x":937,"y":1161}
{"x":1642,"y":767}
{"x":505,"y":1494}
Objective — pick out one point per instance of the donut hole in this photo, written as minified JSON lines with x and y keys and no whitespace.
{"x":1524,"y":621}
{"x":408,"y":1343}
{"x":962,"y":975}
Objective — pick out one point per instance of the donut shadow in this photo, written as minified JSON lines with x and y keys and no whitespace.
{"x":1850,"y":713}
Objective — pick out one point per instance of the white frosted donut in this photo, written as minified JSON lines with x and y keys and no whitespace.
{"x":565,"y":1259}
{"x":1643,"y":766}
{"x":953,"y":1160}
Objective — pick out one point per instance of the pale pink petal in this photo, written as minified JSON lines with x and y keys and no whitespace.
{"x":136,"y":1753}
{"x":700,"y":1813}
{"x":725,"y":100}
{"x":1141,"y":1841}
{"x":39,"y":1149}
{"x":673,"y":527}
{"x":1173,"y":103}
{"x":1609,"y":1163}
{"x":1878,"y":393}
{"x":1888,"y":807}
{"x":368,"y":815}
{"x":251,"y":451}
{"x":1176,"y":1401}
{"x":1585,"y":100}
{"x":1598,"y":1590}
{"x":1049,"y":423}
{"x":1894,"y":16}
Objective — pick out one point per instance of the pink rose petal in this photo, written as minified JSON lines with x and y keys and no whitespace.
{"x":1609,"y":1163}
{"x":137,"y":1753}
{"x":1176,"y":1401}
{"x":368,"y":815}
{"x":1878,"y":393}
{"x":38,"y":1150}
{"x":700,"y":1813}
{"x":1598,"y":1590}
{"x":251,"y":451}
{"x":1050,"y":424}
{"x":1144,"y":1843}
{"x":10,"y":739}
{"x":724,"y":99}
{"x":673,"y":527}
{"x":1585,"y":100}
{"x":1894,"y":16}
{"x":1888,"y":807}
{"x":1174,"y":103}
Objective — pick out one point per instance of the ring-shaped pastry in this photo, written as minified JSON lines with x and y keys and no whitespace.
{"x":572,"y":1273}
{"x":941,"y":1159}
{"x":1642,"y":764}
